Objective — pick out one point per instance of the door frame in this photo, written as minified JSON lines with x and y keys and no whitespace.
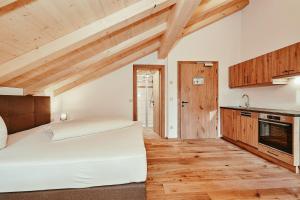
{"x":216,"y":63}
{"x":161,"y":69}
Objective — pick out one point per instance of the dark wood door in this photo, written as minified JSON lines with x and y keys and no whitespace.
{"x":198,"y":101}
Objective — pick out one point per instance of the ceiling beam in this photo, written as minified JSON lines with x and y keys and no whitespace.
{"x":110,"y":68}
{"x":52,"y":79}
{"x":179,"y":17}
{"x":102,"y":27}
{"x":211,"y":14}
{"x":206,"y":7}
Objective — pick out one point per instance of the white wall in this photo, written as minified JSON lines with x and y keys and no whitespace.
{"x":10,"y":91}
{"x":110,"y":95}
{"x":217,"y":42}
{"x":268,"y":25}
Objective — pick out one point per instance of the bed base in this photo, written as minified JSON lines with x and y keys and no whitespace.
{"x":132,"y":191}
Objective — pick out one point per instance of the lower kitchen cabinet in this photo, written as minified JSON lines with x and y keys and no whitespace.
{"x":248,"y":132}
{"x":240,"y":126}
{"x":228,"y":123}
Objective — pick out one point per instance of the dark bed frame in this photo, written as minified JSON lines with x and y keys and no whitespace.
{"x":25,"y":112}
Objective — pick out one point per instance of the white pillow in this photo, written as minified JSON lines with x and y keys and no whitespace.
{"x":77,"y":128}
{"x":3,"y":133}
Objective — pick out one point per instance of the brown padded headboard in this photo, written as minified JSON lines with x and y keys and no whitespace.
{"x":24,"y":112}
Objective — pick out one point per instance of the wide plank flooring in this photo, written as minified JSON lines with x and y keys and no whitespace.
{"x":213,"y":169}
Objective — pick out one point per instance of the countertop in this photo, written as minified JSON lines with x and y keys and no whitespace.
{"x":292,"y":113}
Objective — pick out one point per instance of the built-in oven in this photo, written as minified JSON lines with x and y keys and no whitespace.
{"x":276,"y":132}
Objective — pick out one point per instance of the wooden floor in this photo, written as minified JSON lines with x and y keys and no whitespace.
{"x":213,"y":169}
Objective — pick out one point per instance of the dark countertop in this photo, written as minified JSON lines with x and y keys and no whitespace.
{"x":292,"y":113}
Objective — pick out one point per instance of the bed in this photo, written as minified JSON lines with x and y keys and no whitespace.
{"x":107,"y":165}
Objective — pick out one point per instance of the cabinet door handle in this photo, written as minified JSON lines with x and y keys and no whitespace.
{"x":272,"y":153}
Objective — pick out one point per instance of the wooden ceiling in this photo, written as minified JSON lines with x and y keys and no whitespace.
{"x":56,"y":45}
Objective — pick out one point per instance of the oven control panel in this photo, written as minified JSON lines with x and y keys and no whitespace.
{"x":278,"y":118}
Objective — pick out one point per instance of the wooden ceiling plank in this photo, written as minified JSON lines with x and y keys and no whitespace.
{"x":80,"y":37}
{"x":83,"y":53}
{"x":6,"y":2}
{"x":216,"y":14}
{"x":110,"y":68}
{"x":47,"y":81}
{"x":180,"y":16}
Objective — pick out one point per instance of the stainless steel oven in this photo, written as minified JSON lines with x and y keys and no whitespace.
{"x":276,"y":132}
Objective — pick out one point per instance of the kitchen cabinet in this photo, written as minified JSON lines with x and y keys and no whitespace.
{"x":249,"y":73}
{"x":234,"y":78}
{"x":242,"y":74}
{"x":260,"y":71}
{"x":281,"y":61}
{"x":248,"y":128}
{"x":286,"y":61}
{"x":263,"y":68}
{"x":276,"y":153}
{"x":228,"y":123}
{"x":295,"y":59}
{"x":240,"y":126}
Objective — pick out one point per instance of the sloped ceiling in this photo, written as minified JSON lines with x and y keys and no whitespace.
{"x":60,"y":44}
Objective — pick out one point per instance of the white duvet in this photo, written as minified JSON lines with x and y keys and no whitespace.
{"x":33,"y":161}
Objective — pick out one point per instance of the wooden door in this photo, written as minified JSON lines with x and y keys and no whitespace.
{"x":198,"y":101}
{"x":156,"y":102}
{"x":159,"y":127}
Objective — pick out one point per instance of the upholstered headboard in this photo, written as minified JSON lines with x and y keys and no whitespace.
{"x":24,"y":112}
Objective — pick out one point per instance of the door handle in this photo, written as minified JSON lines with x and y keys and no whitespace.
{"x":183,"y":102}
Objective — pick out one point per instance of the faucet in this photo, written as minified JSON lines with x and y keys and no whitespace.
{"x":247,"y":104}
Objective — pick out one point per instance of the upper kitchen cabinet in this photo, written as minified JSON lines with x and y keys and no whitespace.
{"x":295,"y":59}
{"x":281,"y":62}
{"x":286,"y":61}
{"x":263,"y":68}
{"x":260,"y":71}
{"x":235,"y":80}
{"x":242,"y":74}
{"x":249,"y":73}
